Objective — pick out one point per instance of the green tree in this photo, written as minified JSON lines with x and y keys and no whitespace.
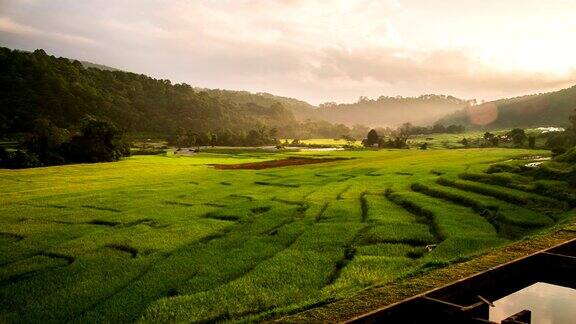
{"x":531,"y":142}
{"x":406,"y":129}
{"x":517,"y":135}
{"x":349,"y":140}
{"x":372,"y":138}
{"x":98,"y":141}
{"x":44,"y":140}
{"x":455,"y":129}
{"x":438,"y":129}
{"x":213,"y":139}
{"x":495,"y":141}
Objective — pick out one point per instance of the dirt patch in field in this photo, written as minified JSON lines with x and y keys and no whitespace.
{"x":274,"y":163}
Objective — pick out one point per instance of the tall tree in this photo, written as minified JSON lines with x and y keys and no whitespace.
{"x":372,"y":138}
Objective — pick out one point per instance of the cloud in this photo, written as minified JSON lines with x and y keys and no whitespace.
{"x":315,"y":50}
{"x":7,"y":25}
{"x":451,"y":69}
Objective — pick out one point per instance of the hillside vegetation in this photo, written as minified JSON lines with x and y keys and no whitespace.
{"x":36,"y":85}
{"x":548,"y":109}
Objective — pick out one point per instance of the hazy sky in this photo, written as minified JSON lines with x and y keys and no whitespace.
{"x":314,"y":50}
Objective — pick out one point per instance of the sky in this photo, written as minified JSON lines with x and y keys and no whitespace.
{"x":314,"y":50}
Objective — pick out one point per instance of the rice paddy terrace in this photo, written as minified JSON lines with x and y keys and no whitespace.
{"x":161,"y":238}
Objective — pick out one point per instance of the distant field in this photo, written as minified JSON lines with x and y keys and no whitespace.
{"x":323,"y":142}
{"x":168,"y":238}
{"x":450,"y":141}
{"x":443,"y":141}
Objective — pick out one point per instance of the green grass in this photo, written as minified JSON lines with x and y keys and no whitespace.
{"x":169,"y":238}
{"x":443,"y":141}
{"x":514,"y":196}
{"x":553,"y":189}
{"x":413,"y":234}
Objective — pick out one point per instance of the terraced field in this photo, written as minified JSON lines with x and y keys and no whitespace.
{"x":159,"y":238}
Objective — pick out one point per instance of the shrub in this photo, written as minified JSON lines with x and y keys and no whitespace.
{"x":148,"y":152}
{"x":554,"y":189}
{"x":503,"y":167}
{"x":567,"y":157}
{"x":18,"y":160}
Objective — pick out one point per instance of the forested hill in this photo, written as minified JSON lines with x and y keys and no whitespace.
{"x":36,"y":85}
{"x":547,"y":109}
{"x":301,"y":109}
{"x":392,"y":111}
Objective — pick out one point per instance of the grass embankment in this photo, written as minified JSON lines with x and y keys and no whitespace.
{"x":416,"y":283}
{"x":168,"y":238}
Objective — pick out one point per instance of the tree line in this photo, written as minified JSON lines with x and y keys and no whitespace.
{"x":255,"y":137}
{"x":46,"y":144}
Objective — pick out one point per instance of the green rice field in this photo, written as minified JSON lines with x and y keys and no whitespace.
{"x":172,"y":238}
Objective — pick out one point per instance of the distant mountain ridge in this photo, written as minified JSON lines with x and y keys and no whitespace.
{"x":546,"y":109}
{"x":37,"y":85}
{"x":392,"y":111}
{"x":87,"y":64}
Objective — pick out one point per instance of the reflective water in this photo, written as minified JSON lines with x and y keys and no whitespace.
{"x":550,"y":304}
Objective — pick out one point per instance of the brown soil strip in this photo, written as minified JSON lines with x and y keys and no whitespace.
{"x":274,"y":163}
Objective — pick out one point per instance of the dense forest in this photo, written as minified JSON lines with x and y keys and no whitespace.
{"x":35,"y":85}
{"x":302,"y":110}
{"x":547,"y":109}
{"x":392,"y":111}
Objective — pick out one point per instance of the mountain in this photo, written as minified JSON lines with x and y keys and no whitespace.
{"x":391,"y":111}
{"x":546,"y":109}
{"x":87,"y":65}
{"x":301,"y":109}
{"x":37,"y":85}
